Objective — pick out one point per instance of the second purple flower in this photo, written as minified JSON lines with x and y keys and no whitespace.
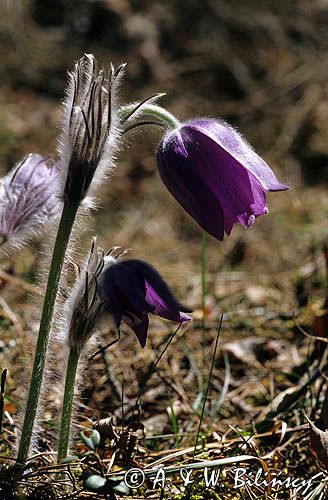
{"x":131,"y":289}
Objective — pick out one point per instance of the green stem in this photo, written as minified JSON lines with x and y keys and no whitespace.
{"x":63,"y":234}
{"x":203,"y":284}
{"x":65,"y":425}
{"x":158,"y":112}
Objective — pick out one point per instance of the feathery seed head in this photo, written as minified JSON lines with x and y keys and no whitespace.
{"x":89,"y":127}
{"x":28,"y":201}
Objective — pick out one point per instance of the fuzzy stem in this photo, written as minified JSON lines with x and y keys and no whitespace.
{"x":63,"y":234}
{"x":65,"y":425}
{"x":165,"y":117}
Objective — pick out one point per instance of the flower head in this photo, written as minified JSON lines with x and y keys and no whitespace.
{"x":215,"y":175}
{"x":89,"y":127}
{"x":131,"y":289}
{"x":28,"y":201}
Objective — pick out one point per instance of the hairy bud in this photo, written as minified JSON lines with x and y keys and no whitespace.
{"x":89,"y":127}
{"x":28,"y":201}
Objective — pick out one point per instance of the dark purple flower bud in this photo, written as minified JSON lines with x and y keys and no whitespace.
{"x":28,"y":201}
{"x":215,"y":175}
{"x":131,"y":289}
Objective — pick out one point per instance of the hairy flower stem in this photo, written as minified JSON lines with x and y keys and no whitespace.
{"x":65,"y":425}
{"x":164,"y":116}
{"x":63,"y":234}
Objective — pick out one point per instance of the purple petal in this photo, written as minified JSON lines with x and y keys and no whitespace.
{"x":163,"y":308}
{"x":131,"y":284}
{"x":141,"y":329}
{"x":108,"y":295}
{"x":240,"y":194}
{"x":156,"y":290}
{"x":235,"y":146}
{"x":131,"y":289}
{"x":182,"y":179}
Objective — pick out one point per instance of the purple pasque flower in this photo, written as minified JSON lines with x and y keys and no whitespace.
{"x":28,"y":201}
{"x":215,"y":175}
{"x":131,"y":289}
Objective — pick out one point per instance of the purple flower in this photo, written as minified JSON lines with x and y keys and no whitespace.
{"x":131,"y":289}
{"x":215,"y":175}
{"x":27,"y":201}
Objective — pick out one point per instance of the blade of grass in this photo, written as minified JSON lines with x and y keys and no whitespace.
{"x":208,"y":386}
{"x":2,"y":392}
{"x":153,"y":367}
{"x":203,"y":303}
{"x":227,"y":377}
{"x":198,"y":374}
{"x":122,"y":402}
{"x":174,"y":424}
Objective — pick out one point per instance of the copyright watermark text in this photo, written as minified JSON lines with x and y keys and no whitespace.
{"x":135,"y":477}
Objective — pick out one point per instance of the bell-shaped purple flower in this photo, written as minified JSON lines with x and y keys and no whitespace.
{"x":215,"y":175}
{"x":28,"y":201}
{"x":131,"y":289}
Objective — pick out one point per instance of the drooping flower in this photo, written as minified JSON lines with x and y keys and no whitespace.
{"x":89,"y":137}
{"x":28,"y":201}
{"x":131,"y":289}
{"x":215,"y":175}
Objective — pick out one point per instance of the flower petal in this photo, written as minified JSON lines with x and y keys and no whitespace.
{"x":241,"y":195}
{"x":131,"y":289}
{"x":141,"y":329}
{"x":130,"y":284}
{"x":108,"y":295}
{"x":228,"y":139}
{"x":157,"y":292}
{"x":182,"y":179}
{"x":164,"y":309}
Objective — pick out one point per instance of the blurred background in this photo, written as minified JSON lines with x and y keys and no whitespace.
{"x":262,"y":66}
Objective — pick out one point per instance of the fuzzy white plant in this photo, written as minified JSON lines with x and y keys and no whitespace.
{"x":28,"y":202}
{"x":89,"y":128}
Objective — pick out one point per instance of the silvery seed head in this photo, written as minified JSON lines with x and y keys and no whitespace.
{"x":28,"y":201}
{"x":83,"y":306}
{"x":90,"y":131}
